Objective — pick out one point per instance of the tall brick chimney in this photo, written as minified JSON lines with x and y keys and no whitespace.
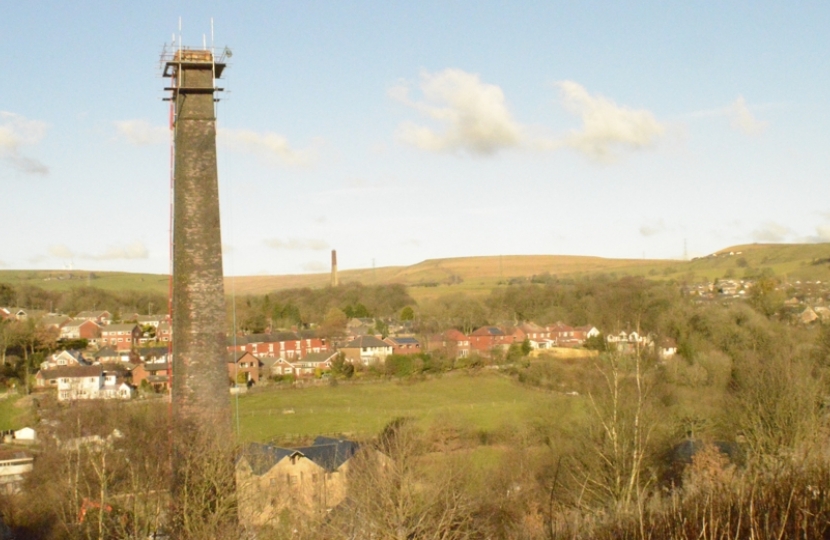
{"x":200,"y":377}
{"x":334,"y":280}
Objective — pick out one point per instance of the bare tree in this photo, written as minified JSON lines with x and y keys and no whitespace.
{"x":624,"y":424}
{"x":399,"y":492}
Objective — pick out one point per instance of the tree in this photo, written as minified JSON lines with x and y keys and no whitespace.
{"x":396,"y":494}
{"x":407,"y":314}
{"x":623,"y":423}
{"x":334,"y":325}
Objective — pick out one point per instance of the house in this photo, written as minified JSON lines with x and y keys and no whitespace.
{"x":583,"y":333}
{"x":244,"y":367}
{"x":102,"y":318}
{"x":150,"y":320}
{"x":25,"y":435}
{"x":309,"y":480}
{"x":533,"y":332}
{"x":152,"y":354}
{"x":404,"y":344}
{"x":110,"y":355}
{"x":65,"y":358}
{"x":158,"y":375}
{"x":88,"y":382}
{"x":54,"y":322}
{"x":486,"y":338}
{"x":667,"y":349}
{"x":120,"y":336}
{"x":22,"y":314}
{"x":629,"y":342}
{"x":452,"y":344}
{"x":164,"y":332}
{"x":287,"y":345}
{"x":563,"y":335}
{"x":80,"y":329}
{"x":315,"y":363}
{"x":366,"y":350}
{"x":311,"y":365}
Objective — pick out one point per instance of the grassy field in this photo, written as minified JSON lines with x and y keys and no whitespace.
{"x":486,"y":401}
{"x":55,"y":280}
{"x":14,"y":411}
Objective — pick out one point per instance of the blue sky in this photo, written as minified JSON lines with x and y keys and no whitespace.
{"x":398,"y":132}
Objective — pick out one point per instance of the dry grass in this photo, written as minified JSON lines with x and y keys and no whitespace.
{"x":431,"y":279}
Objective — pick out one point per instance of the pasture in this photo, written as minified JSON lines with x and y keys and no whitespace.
{"x":480,"y":402}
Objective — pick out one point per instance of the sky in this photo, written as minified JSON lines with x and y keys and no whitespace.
{"x":396,"y":132}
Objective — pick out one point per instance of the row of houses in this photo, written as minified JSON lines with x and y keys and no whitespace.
{"x":121,"y":366}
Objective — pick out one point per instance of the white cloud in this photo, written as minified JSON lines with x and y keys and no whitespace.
{"x":314,"y":266}
{"x":653,"y":228}
{"x":296,"y":244}
{"x":605,"y":125}
{"x":823,"y":233}
{"x":136,"y":250}
{"x":473,"y":115}
{"x":742,"y":120}
{"x":771,"y":232}
{"x":61,"y":251}
{"x":268,"y":145}
{"x":141,"y":132}
{"x":17,"y":131}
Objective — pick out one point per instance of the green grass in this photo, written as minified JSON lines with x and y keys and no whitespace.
{"x":55,"y":280}
{"x":481,"y":402}
{"x":11,"y":415}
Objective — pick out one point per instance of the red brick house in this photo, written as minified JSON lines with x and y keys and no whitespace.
{"x":80,"y":329}
{"x":404,"y":345}
{"x":486,"y":338}
{"x":452,"y":343}
{"x":120,"y":336}
{"x":244,"y":365}
{"x":100,"y":317}
{"x":164,"y":332}
{"x":290,"y":346}
{"x":157,"y":374}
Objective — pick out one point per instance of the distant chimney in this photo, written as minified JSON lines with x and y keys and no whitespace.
{"x":334,"y":281}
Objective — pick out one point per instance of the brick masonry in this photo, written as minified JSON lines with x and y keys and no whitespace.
{"x":200,"y":378}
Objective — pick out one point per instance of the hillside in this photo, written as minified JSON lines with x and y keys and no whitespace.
{"x":479,"y":275}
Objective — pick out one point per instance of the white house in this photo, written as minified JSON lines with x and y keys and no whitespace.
{"x":89,"y":382}
{"x":25,"y":435}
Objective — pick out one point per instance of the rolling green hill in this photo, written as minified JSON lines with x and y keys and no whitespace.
{"x":478,"y":275}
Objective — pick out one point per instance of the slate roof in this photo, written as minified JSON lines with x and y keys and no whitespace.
{"x":126,"y":327}
{"x":55,"y":320}
{"x":234,"y":357}
{"x":106,"y":352}
{"x":488,"y":331}
{"x":327,"y":452}
{"x":92,"y":314}
{"x":404,"y":340}
{"x":71,"y":372}
{"x":366,"y":342}
{"x":263,"y":338}
{"x":317,"y":357}
{"x":153,"y":352}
